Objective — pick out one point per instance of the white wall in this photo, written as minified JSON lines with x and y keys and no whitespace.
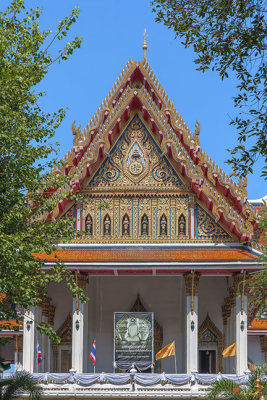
{"x":212,"y":291}
{"x":62,"y":300}
{"x":254,"y":350}
{"x":162,"y":295}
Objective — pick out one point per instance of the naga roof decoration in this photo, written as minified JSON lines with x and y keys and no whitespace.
{"x":138,"y":90}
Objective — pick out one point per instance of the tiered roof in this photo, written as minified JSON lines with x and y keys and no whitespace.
{"x":138,"y":89}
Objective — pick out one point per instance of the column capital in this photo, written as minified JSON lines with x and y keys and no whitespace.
{"x":191,"y":281}
{"x":51,"y":314}
{"x":81,"y":279}
{"x":237,"y":284}
{"x":45,"y":305}
{"x":226,"y":312}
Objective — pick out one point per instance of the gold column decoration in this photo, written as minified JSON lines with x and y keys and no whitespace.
{"x":45,"y":306}
{"x":81,"y":281}
{"x":230,"y":300}
{"x":226,"y":312}
{"x":51,"y":314}
{"x":191,"y":286}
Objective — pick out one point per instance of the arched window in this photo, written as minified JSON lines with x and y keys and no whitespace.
{"x":144,"y":225}
{"x":89,"y":225}
{"x":181,"y":225}
{"x":125,"y":225}
{"x":163,"y":225}
{"x":106,"y":225}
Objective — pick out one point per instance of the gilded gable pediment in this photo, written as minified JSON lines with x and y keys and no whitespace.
{"x":136,"y":163}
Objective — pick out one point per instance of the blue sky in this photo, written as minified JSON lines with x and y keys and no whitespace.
{"x":112,"y":33}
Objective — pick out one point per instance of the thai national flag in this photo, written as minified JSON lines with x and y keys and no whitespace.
{"x":93,"y":353}
{"x":39,"y":355}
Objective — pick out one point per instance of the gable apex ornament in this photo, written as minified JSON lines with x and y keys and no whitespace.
{"x":144,"y":47}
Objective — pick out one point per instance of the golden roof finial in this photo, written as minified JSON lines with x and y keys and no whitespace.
{"x":144,"y":47}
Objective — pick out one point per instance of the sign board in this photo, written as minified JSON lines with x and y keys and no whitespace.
{"x":133,"y":337}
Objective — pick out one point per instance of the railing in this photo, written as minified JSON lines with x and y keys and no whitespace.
{"x":131,"y":384}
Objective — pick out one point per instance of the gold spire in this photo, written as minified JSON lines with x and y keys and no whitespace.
{"x":144,"y":47}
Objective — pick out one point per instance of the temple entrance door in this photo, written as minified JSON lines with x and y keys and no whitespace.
{"x":210,"y":344}
{"x":62,"y":351}
{"x":207,"y":361}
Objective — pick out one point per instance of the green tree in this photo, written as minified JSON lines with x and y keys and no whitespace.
{"x":229,"y":36}
{"x":20,"y":382}
{"x":28,"y":192}
{"x":228,"y":389}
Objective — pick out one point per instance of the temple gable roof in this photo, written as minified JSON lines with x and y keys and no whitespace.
{"x":138,"y":91}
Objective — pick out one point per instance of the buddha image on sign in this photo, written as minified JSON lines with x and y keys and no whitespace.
{"x":136,"y":330}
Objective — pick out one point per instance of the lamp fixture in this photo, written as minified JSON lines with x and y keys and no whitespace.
{"x":77,"y":325}
{"x":28,"y":325}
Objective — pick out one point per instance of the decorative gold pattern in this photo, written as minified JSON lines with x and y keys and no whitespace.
{"x":191,"y":282}
{"x":136,"y":163}
{"x":154,"y":189}
{"x":208,"y":228}
{"x":233,"y":290}
{"x":169,"y":122}
{"x":45,"y":306}
{"x":135,"y":208}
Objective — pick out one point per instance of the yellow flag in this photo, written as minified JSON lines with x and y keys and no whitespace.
{"x":167,"y":351}
{"x":230,"y":351}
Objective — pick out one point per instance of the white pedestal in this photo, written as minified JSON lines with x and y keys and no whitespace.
{"x":241,"y":336}
{"x":77,"y":337}
{"x":29,"y":340}
{"x":191,"y":335}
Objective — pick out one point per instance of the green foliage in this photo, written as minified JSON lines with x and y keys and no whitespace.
{"x":27,"y":191}
{"x":228,"y":389}
{"x":229,"y":36}
{"x":258,"y":282}
{"x":21,"y":382}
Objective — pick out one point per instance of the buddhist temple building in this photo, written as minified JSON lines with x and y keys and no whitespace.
{"x":163,"y":230}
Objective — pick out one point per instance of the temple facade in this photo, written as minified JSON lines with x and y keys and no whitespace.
{"x":162,"y":229}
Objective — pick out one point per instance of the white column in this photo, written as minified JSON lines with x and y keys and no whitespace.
{"x":29,"y":340}
{"x":191,"y":283}
{"x":77,"y":337}
{"x":192,"y":335}
{"x":241,"y":335}
{"x":78,"y":327}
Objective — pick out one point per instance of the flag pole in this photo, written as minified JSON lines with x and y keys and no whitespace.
{"x":95,"y":360}
{"x":175,"y":358}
